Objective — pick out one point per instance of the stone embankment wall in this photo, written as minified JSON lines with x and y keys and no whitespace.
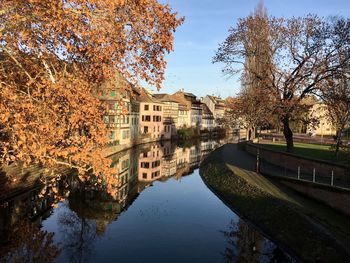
{"x":335,"y":197}
{"x":338,"y":199}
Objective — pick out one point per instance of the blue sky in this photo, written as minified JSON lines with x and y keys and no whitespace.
{"x":206,"y":25}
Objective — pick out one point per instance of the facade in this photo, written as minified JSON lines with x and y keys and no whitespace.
{"x":207,"y":118}
{"x":137,"y":115}
{"x":324,"y":127}
{"x":184,"y":112}
{"x":116,"y":96}
{"x":152,"y":122}
{"x":134,"y":114}
{"x":170,"y":112}
{"x":194,"y":106}
{"x":216,"y":106}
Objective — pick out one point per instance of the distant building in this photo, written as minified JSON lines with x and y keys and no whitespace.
{"x":184,"y":112}
{"x":170,"y":112}
{"x":216,"y":106}
{"x":116,"y":96}
{"x":324,"y":127}
{"x":195,"y":107}
{"x":151,"y":117}
{"x":207,"y":118}
{"x":134,"y":114}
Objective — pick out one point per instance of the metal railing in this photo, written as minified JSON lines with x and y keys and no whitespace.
{"x":302,"y":173}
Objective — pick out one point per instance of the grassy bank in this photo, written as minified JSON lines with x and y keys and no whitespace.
{"x":280,"y":216}
{"x":318,"y":151}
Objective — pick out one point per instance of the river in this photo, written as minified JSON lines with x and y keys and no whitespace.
{"x":162,"y":212}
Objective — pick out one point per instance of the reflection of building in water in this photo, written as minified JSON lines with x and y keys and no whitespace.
{"x":207,"y":147}
{"x":195,"y":156}
{"x":89,"y":208}
{"x":246,"y":244}
{"x":150,"y":162}
{"x":168,"y":168}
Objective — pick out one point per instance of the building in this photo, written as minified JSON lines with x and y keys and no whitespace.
{"x":194,"y":105}
{"x":216,"y":106}
{"x":170,"y":112}
{"x":116,"y":96}
{"x":151,"y":117}
{"x":323,"y":126}
{"x":134,"y":114}
{"x":207,"y":118}
{"x":184,"y":112}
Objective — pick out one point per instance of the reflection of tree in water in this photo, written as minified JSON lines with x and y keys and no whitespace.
{"x":86,"y":218}
{"x":27,"y":243}
{"x":79,"y":236}
{"x":246,"y":244}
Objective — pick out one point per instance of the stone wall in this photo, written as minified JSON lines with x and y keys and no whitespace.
{"x":338,"y":199}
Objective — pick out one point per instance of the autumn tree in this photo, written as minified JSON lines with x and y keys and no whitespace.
{"x":54,"y":55}
{"x":303,"y":54}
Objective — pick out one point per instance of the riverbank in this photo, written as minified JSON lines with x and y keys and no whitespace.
{"x":306,"y":229}
{"x":183,"y":136}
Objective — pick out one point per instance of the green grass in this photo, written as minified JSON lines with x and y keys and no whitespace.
{"x":318,"y":151}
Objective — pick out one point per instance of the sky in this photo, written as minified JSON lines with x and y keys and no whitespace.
{"x":206,"y":25}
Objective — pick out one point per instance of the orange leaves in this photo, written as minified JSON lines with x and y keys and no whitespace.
{"x":58,"y":54}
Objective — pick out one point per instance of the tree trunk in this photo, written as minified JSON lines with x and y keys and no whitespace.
{"x":338,"y":141}
{"x":288,"y":134}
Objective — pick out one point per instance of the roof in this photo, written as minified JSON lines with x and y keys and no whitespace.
{"x":145,"y":96}
{"x":217,"y":100}
{"x":187,"y":99}
{"x":179,"y":98}
{"x":165,"y":97}
{"x":206,"y":109}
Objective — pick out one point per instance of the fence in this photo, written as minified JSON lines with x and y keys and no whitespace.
{"x":300,"y":168}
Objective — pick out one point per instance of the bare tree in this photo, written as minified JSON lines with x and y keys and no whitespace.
{"x":303,"y":54}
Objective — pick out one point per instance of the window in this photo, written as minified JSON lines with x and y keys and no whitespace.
{"x":145,"y":154}
{"x":145,"y":129}
{"x":144,"y":165}
{"x":126,"y":134}
{"x":125,"y":164}
{"x":144,"y":175}
{"x":158,"y":128}
{"x":157,"y":108}
{"x":105,"y":119}
{"x":146,"y":118}
{"x":157,"y":118}
{"x":113,"y":93}
{"x":155,"y":164}
{"x":155,"y":174}
{"x":146,"y":107}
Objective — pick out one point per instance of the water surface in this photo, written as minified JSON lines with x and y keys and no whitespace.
{"x":161,"y":212}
